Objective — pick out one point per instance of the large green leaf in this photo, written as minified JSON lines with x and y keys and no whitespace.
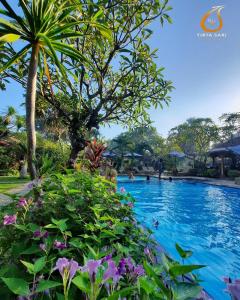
{"x":17,"y":285}
{"x":39,"y":264}
{"x":177,"y":270}
{"x":9,"y":38}
{"x":82,"y":283}
{"x":36,"y":267}
{"x":47,"y":284}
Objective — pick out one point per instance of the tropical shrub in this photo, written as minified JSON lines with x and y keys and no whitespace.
{"x":80,"y":241}
{"x":233,"y":173}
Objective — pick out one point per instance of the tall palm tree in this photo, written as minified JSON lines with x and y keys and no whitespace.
{"x":43,"y":26}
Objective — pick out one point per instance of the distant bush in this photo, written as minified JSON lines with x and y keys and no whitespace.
{"x":233,"y":173}
{"x":213,"y":173}
{"x":193,"y":172}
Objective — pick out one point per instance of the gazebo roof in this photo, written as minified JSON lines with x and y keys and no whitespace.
{"x":134,"y":154}
{"x":177,"y":154}
{"x":225,"y":151}
{"x":109,"y":154}
{"x":235,"y":149}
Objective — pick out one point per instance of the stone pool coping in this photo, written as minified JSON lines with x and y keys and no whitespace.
{"x":213,"y":181}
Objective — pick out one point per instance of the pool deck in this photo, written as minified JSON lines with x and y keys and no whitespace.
{"x":213,"y":181}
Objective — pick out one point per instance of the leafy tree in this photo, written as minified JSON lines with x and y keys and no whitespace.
{"x":42,"y":27}
{"x":230,"y":125}
{"x":122,"y":80}
{"x":9,"y":122}
{"x":140,"y":140}
{"x":195,"y":136}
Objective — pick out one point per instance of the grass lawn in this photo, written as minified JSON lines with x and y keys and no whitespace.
{"x":10,"y":182}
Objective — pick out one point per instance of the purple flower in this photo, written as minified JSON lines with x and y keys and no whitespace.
{"x":30,"y":185}
{"x":67,"y":267}
{"x":73,"y":267}
{"x":61,"y":265}
{"x":45,"y":235}
{"x":91,"y":267}
{"x":125,"y":266}
{"x":130,"y":204}
{"x":112,"y":272}
{"x":106,"y":258}
{"x":147,"y":251}
{"x":138,"y":271}
{"x":122,"y":190}
{"x":22,"y":202}
{"x":9,"y":220}
{"x":37,"y":234}
{"x":233,"y":288}
{"x":42,"y":246}
{"x":59,"y":245}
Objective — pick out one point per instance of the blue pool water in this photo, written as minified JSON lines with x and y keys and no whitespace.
{"x":200,"y":217}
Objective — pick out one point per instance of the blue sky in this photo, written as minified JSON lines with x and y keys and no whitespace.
{"x":205,"y":71}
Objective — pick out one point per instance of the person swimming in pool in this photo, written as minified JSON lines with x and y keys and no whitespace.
{"x":131,"y":176}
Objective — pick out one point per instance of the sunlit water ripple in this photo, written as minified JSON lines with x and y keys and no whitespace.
{"x":200,"y":217}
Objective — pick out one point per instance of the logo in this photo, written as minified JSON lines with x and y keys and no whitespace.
{"x":212,"y":24}
{"x":208,"y":21}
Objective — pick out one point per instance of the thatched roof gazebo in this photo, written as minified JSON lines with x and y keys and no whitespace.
{"x":230,"y":149}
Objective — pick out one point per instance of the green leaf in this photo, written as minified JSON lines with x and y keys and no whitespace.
{"x":60,"y":297}
{"x":183,"y":253}
{"x":36,"y":267}
{"x":17,"y":285}
{"x":9,"y":38}
{"x":122,"y":293}
{"x":146,"y":284}
{"x":32,"y":250}
{"x":29,"y":266}
{"x":77,"y":243}
{"x":17,"y":56}
{"x":185,"y":291}
{"x":82,"y":283}
{"x":150,"y":272}
{"x":105,"y":32}
{"x":183,"y":269}
{"x":39,"y":264}
{"x":47,"y":284}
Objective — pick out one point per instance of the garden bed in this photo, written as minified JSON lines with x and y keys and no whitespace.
{"x":80,"y":240}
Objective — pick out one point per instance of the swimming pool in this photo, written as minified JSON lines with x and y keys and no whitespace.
{"x":200,"y":217}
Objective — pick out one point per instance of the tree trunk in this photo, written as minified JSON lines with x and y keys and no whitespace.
{"x":30,"y":111}
{"x":78,"y":143}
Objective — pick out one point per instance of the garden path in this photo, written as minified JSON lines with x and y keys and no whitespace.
{"x":21,"y":191}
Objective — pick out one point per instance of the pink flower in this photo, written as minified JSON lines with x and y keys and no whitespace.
{"x":22,"y":202}
{"x":9,"y":220}
{"x":122,"y":190}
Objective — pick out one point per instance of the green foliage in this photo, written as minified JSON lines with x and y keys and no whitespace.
{"x":98,"y":93}
{"x":90,"y":221}
{"x":194,"y":137}
{"x":233,"y":173}
{"x":230,"y":125}
{"x":213,"y":173}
